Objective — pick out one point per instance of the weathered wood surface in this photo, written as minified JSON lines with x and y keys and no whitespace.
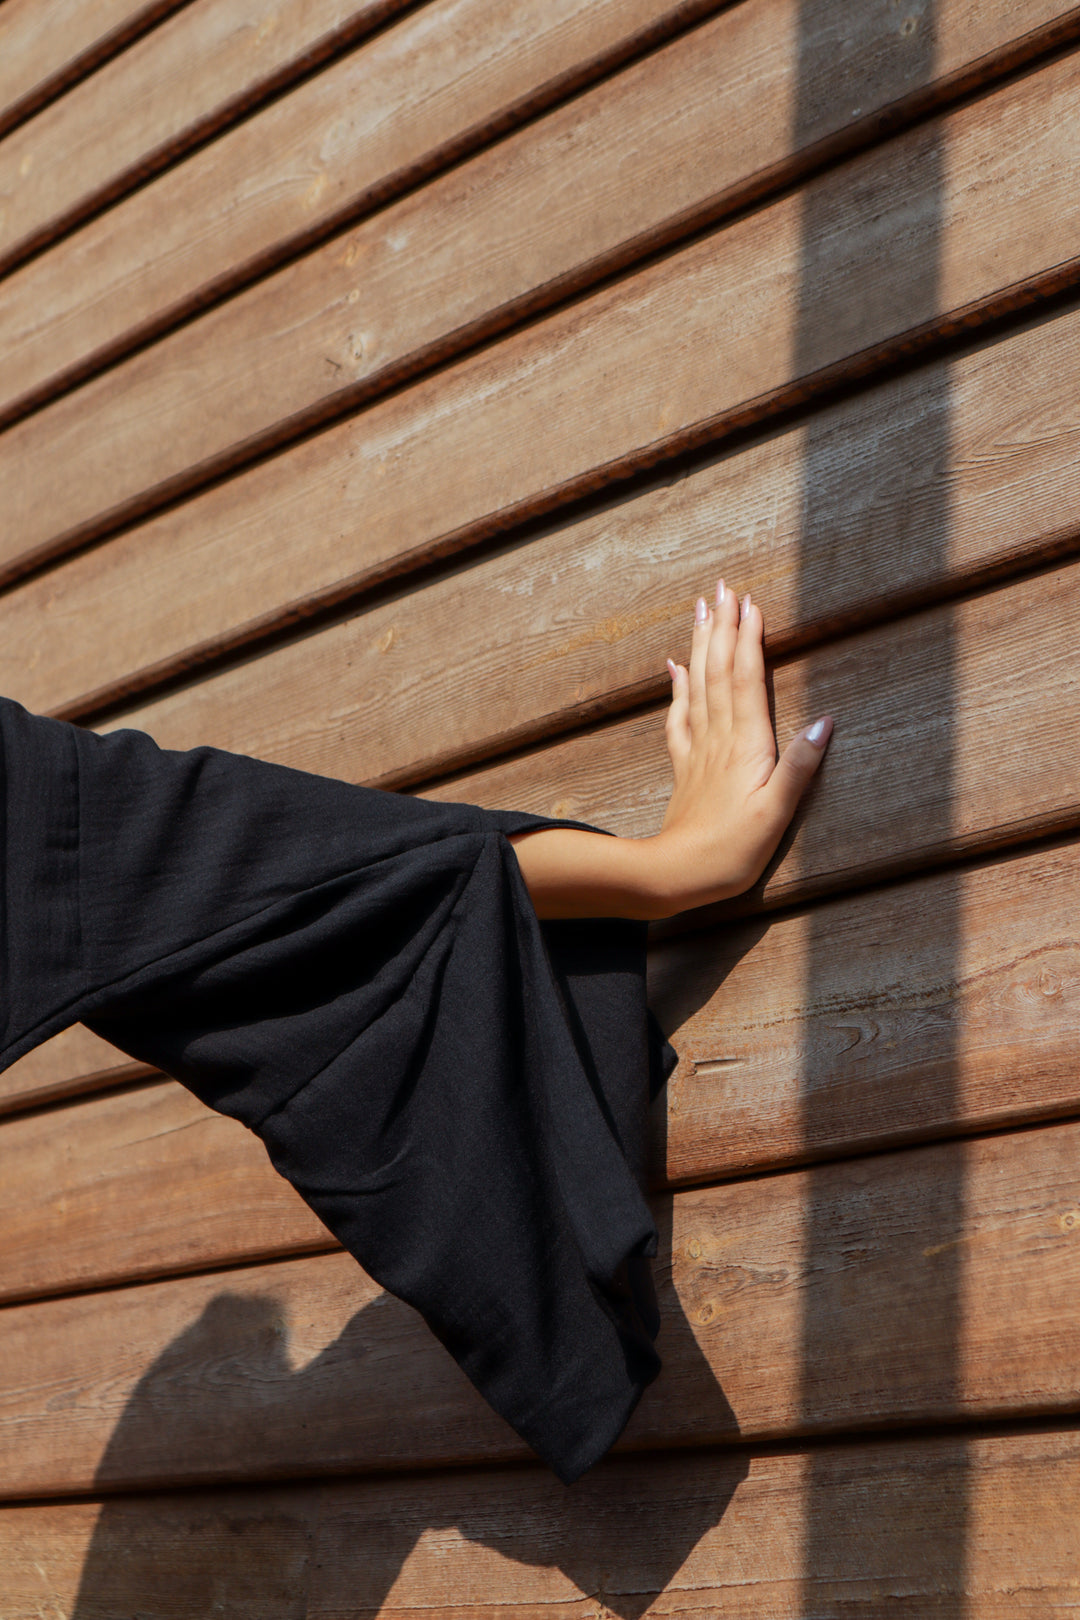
{"x":444,"y":80}
{"x":951,"y":1002}
{"x":957,"y":732}
{"x":891,"y":1526}
{"x":1012,"y":777}
{"x":193,"y":74}
{"x":139,"y":1183}
{"x":857,"y":1025}
{"x":45,"y":49}
{"x":923,"y":483}
{"x":65,"y":1066}
{"x":707,"y":339}
{"x":802,"y":1302}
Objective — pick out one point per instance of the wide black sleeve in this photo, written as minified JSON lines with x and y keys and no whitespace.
{"x":458,"y":1091}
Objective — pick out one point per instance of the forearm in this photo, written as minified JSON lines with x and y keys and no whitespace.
{"x":573,"y":873}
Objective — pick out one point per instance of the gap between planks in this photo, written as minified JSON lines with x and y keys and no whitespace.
{"x":855,"y":1029}
{"x":304,"y":1366}
{"x":315,"y":76}
{"x":983,"y":1519}
{"x":74,"y":47}
{"x":441,"y":419}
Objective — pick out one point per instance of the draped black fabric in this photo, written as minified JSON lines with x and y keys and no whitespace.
{"x":457,"y":1090}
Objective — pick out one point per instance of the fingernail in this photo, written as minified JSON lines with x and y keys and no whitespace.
{"x":721,"y":591}
{"x":820,"y":732}
{"x":746,"y":604}
{"x":672,"y":671}
{"x":701,"y":611}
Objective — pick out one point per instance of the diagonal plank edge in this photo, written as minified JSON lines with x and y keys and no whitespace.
{"x":724,"y":1528}
{"x":304,"y":1367}
{"x":70,"y":1065}
{"x":43,"y":53}
{"x":448,"y":78}
{"x":195,"y":73}
{"x":591,"y":606}
{"x":833,"y":1032}
{"x":986,"y":680}
{"x":707,"y":343}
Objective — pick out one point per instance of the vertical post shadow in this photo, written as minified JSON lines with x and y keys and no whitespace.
{"x":921,"y":1324}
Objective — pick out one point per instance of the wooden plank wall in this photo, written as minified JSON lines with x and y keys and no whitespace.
{"x":380,"y":384}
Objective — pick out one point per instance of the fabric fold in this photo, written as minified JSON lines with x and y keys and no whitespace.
{"x":459,"y":1092}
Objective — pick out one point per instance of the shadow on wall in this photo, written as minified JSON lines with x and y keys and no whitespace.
{"x":621,"y":1534}
{"x":338,"y":1548}
{"x":921,"y":1330}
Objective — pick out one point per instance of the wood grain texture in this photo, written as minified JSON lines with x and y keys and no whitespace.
{"x":913,"y":1527}
{"x":706,"y":340}
{"x":956,"y":733}
{"x":193,"y":74}
{"x":422,"y":94}
{"x":1011,"y":485}
{"x":832,"y":1032}
{"x":938,"y":1283}
{"x":140,"y":1183}
{"x":951,"y":1002}
{"x":44,"y":50}
{"x":66,"y":1066}
{"x":826,"y":522}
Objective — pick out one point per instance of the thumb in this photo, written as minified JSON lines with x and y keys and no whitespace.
{"x":797,"y":765}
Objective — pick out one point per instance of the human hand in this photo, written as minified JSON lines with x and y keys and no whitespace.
{"x":732,"y":799}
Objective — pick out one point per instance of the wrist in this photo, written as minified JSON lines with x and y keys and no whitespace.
{"x":651,"y":874}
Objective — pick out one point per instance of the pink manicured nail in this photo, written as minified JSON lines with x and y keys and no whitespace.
{"x":701,"y":611}
{"x":721,"y":591}
{"x":746,"y":604}
{"x":672,"y":671}
{"x":820,"y":732}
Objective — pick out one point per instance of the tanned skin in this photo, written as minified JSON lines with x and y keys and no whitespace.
{"x":732,"y":799}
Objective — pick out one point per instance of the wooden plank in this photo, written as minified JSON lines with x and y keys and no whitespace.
{"x":68,"y":1065}
{"x":831,"y":1032}
{"x":140,"y":1183}
{"x":591,"y":607}
{"x":956,"y":733}
{"x":446,"y":79}
{"x":191,"y":76}
{"x":986,"y":1521}
{"x":706,"y":340}
{"x":805,"y":1302}
{"x":948,"y":1003}
{"x":916,"y":772}
{"x":320,"y":704}
{"x":44,"y":50}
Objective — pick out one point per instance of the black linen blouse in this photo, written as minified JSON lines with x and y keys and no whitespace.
{"x":457,"y":1090}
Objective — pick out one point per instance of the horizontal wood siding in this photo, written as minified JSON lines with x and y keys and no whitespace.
{"x":702,"y":1534}
{"x":260,"y":1371}
{"x":432,"y":89}
{"x":193,"y":74}
{"x":904,"y":1040}
{"x":380,"y":383}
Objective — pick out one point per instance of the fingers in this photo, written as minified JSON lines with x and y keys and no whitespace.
{"x":677,"y":726}
{"x":796,"y":767}
{"x":699,"y":652}
{"x":721,"y":656}
{"x":750,"y":699}
{"x":725,"y":682}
